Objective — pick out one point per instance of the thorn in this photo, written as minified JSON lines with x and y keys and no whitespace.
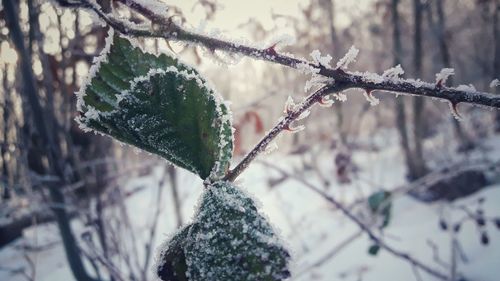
{"x":454,"y":110}
{"x":370,"y":98}
{"x":326,"y":102}
{"x":294,"y":129}
{"x":369,"y":92}
{"x":170,"y":47}
{"x":271,"y":50}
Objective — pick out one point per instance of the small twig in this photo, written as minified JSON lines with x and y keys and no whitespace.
{"x":283,"y":124}
{"x":418,"y":277}
{"x":366,"y":229}
{"x":435,"y":254}
{"x":331,"y":253}
{"x":113,"y":270}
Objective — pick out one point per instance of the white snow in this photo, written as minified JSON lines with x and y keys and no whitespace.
{"x":467,"y":88}
{"x":310,"y":225}
{"x":348,"y":58}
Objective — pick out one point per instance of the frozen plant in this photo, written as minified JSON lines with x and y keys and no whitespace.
{"x":165,"y":107}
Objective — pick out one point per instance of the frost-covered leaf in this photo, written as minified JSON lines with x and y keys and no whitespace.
{"x":172,"y":262}
{"x":230,"y":240}
{"x":379,"y":203}
{"x":158,"y":104}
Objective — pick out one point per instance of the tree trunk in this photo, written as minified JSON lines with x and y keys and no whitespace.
{"x":47,"y":143}
{"x":175,"y":195}
{"x":4,"y":149}
{"x":420,"y":168}
{"x":400,"y":102}
{"x":329,"y":6}
{"x":465,"y":142}
{"x":496,"y":60}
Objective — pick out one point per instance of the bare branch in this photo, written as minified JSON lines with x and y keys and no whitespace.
{"x":283,"y":124}
{"x":402,"y":255}
{"x":166,"y":28}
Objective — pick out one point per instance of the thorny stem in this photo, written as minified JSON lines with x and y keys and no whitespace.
{"x":167,"y":29}
{"x":283,"y":124}
{"x":163,"y":27}
{"x":402,"y":255}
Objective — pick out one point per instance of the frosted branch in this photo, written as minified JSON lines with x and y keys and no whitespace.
{"x":387,"y":83}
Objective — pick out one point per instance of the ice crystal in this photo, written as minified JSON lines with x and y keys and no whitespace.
{"x":321,"y":60}
{"x":443,"y":75}
{"x":495,"y":83}
{"x":289,"y":105}
{"x":348,"y":58}
{"x":394,"y":72}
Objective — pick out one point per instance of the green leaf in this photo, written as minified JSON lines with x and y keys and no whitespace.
{"x":380,"y":204}
{"x":160,"y":105}
{"x":374,"y":249}
{"x":231,"y":240}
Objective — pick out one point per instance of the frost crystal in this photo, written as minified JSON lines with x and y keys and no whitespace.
{"x":340,"y":97}
{"x":103,"y":57}
{"x":443,"y":75}
{"x":394,"y":72}
{"x":289,"y":105}
{"x":348,"y":58}
{"x":271,"y":148}
{"x":373,"y":77}
{"x":92,"y":113}
{"x":296,"y":129}
{"x":303,"y":115}
{"x":324,"y":61}
{"x":495,"y":83}
{"x":228,"y":240}
{"x":317,"y":81}
{"x":307,"y":69}
{"x":157,"y":6}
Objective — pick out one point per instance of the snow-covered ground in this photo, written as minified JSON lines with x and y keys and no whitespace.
{"x":310,"y":225}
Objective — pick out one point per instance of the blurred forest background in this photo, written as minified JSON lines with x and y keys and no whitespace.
{"x":107,"y":207}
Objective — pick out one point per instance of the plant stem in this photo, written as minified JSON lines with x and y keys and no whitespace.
{"x":282,"y":125}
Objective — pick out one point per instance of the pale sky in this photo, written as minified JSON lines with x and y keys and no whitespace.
{"x":235,"y":12}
